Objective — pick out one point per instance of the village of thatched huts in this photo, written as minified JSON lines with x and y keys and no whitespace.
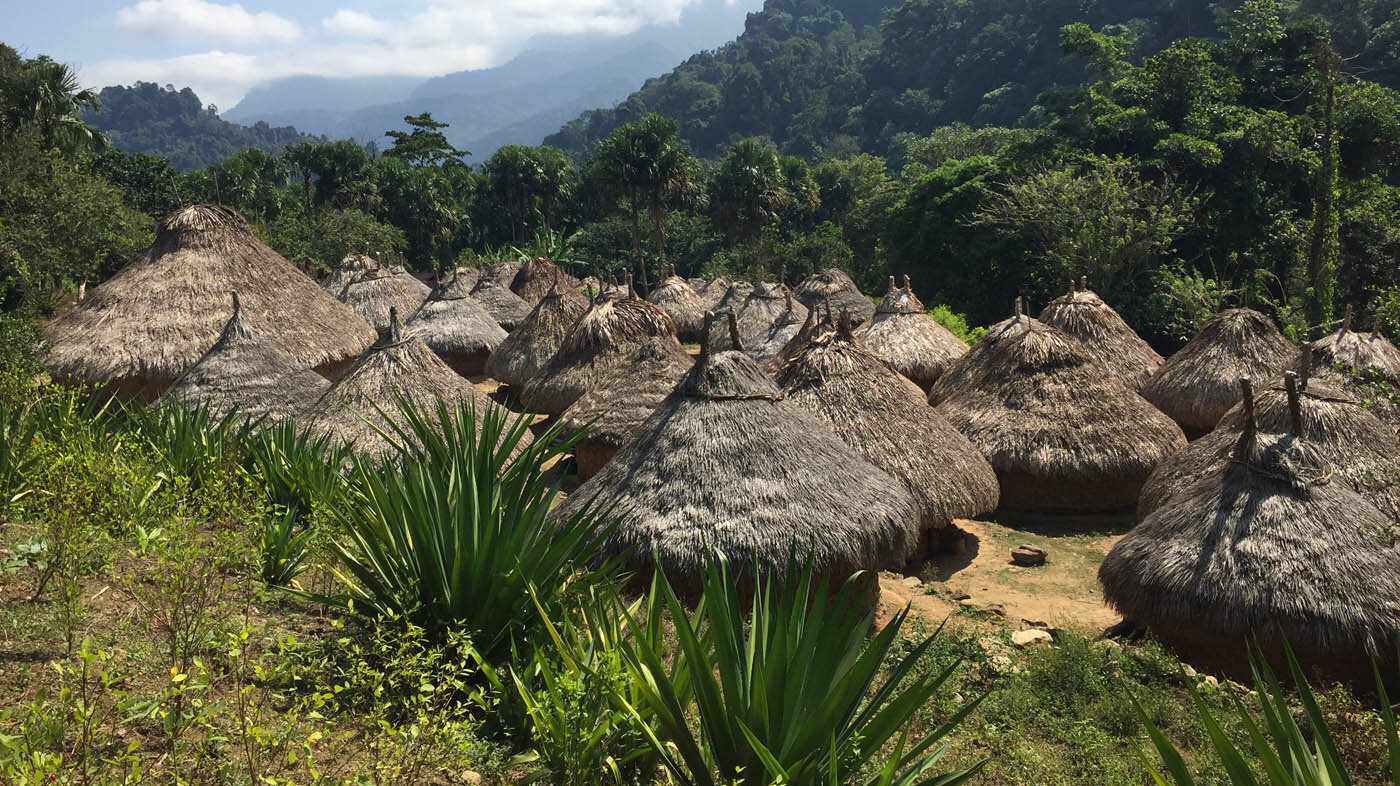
{"x":1084,"y":316}
{"x":1065,"y":437}
{"x":398,"y":366}
{"x":883,"y":416}
{"x":623,"y":398}
{"x":1200,"y":383}
{"x":603,"y":336}
{"x":244,"y":372}
{"x":374,"y":292}
{"x":457,"y":327}
{"x":1264,"y":547}
{"x":726,"y":463}
{"x":533,"y":342}
{"x":503,"y":305}
{"x":685,"y":308}
{"x":157,"y":316}
{"x":909,"y":340}
{"x":1362,"y":451}
{"x":966,"y":369}
{"x":834,"y":289}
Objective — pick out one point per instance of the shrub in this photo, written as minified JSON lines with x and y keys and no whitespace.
{"x":956,"y":324}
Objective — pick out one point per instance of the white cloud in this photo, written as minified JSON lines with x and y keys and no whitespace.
{"x":191,"y":20}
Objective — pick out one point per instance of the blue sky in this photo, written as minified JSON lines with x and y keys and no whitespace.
{"x":223,"y":48}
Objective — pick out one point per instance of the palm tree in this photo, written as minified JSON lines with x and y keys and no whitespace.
{"x":747,"y":192}
{"x":44,"y":96}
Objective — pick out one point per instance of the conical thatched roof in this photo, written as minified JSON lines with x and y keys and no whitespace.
{"x":714,"y":291}
{"x":1361,"y":449}
{"x":350,"y":268}
{"x":726,"y":463}
{"x":1365,"y":353}
{"x":534,"y":342}
{"x":412,"y":283}
{"x":733,"y":297}
{"x":623,"y":398}
{"x":464,"y":278}
{"x":374,"y":292}
{"x":158,"y":315}
{"x":538,"y":276}
{"x":458,"y":328}
{"x":964,"y":371}
{"x":768,"y":306}
{"x":399,"y":364}
{"x":1265,"y":544}
{"x":245,"y":372}
{"x":883,"y":416}
{"x":602,"y":337}
{"x":698,"y":283}
{"x":1064,"y":436}
{"x":685,"y":308}
{"x":835,"y":288}
{"x":908,"y":340}
{"x":503,"y":271}
{"x":786,"y":325}
{"x":503,"y":305}
{"x":1085,"y":317}
{"x":1199,"y":384}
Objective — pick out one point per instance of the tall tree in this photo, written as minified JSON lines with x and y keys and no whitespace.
{"x":44,"y":96}
{"x":1324,"y":246}
{"x":747,"y":192}
{"x":425,"y":144}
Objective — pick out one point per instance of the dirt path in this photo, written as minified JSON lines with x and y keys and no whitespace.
{"x":1062,"y":593}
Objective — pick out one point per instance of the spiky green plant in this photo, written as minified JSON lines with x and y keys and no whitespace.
{"x":786,"y":690}
{"x":453,"y":531}
{"x":18,"y":427}
{"x":194,"y":442}
{"x":1279,"y":751}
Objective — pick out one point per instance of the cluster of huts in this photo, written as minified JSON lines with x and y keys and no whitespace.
{"x":812,"y":420}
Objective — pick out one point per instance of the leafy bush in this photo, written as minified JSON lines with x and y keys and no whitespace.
{"x":956,"y":324}
{"x":454,"y":530}
{"x":787,"y":691}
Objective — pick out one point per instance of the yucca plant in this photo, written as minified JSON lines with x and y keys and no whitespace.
{"x":284,"y":542}
{"x":454,"y":531}
{"x":192,"y":441}
{"x":786,"y":690}
{"x":18,"y":427}
{"x":296,"y":469}
{"x":1279,"y":750}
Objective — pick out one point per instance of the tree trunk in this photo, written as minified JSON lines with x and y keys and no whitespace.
{"x":1324,"y":247}
{"x":658,"y":230}
{"x":637,"y":248}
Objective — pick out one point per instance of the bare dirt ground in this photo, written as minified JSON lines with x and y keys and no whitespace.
{"x":1062,"y":593}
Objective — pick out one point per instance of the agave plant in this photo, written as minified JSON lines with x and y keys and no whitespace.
{"x":296,"y":468}
{"x":454,"y":532}
{"x":192,"y":441}
{"x":787,"y":690}
{"x":18,"y":427}
{"x":1279,"y":749}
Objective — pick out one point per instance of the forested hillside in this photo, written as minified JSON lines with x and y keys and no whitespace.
{"x":163,"y":121}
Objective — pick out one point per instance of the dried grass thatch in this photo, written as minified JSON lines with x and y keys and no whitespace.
{"x":1265,"y":546}
{"x":537,"y":277}
{"x":1362,"y":450}
{"x":244,"y":372}
{"x":157,"y":316}
{"x":461,"y":278}
{"x":909,"y":340}
{"x":835,"y":289}
{"x":726,"y":463}
{"x":602,"y":337}
{"x":530,"y":346}
{"x":1199,"y":384}
{"x":714,"y":291}
{"x":964,"y":371}
{"x":1365,"y":353}
{"x":350,"y":268}
{"x":685,"y":308}
{"x":768,"y":306}
{"x":412,"y":283}
{"x":1085,"y":317}
{"x":398,"y":365}
{"x":458,"y":328}
{"x":503,"y":305}
{"x":883,"y":416}
{"x":1063,"y":434}
{"x":623,"y":398}
{"x":733,"y":297}
{"x":786,"y":325}
{"x":373,"y":293}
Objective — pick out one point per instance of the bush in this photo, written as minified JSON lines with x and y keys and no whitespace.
{"x":956,"y":324}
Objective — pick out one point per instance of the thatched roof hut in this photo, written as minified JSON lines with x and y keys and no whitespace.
{"x":1362,"y":450}
{"x":623,"y":398}
{"x":412,"y":283}
{"x":786,"y":325}
{"x":1365,"y":353}
{"x":465,"y":278}
{"x":1085,"y":317}
{"x":350,"y":268}
{"x":909,"y":340}
{"x":534,"y":342}
{"x":768,"y":306}
{"x":733,"y":297}
{"x":1265,"y":546}
{"x":1064,"y":436}
{"x":398,"y":365}
{"x":714,"y":291}
{"x":725,"y":462}
{"x":602,"y":337}
{"x":883,"y":416}
{"x":457,"y":327}
{"x":373,"y":293}
{"x":538,"y":276}
{"x":964,"y":371}
{"x":503,"y":271}
{"x":698,"y":283}
{"x":685,"y":308}
{"x":243,"y":371}
{"x":157,"y":316}
{"x":503,"y":305}
{"x":1199,"y":384}
{"x":836,"y":289}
